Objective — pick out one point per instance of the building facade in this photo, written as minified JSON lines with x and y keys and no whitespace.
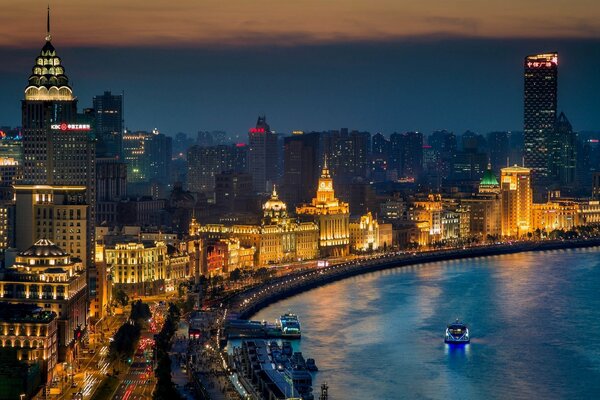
{"x":516,"y":201}
{"x":540,"y":105}
{"x":331,"y":215}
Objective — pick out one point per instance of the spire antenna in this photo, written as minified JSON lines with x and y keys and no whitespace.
{"x":48,"y":35}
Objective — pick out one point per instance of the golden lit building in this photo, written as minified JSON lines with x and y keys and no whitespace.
{"x":33,"y":333}
{"x":56,"y":213}
{"x":46,"y":276}
{"x":225,"y":255}
{"x":332,"y":216}
{"x":364,"y":234}
{"x":430,"y":211}
{"x":516,"y":201}
{"x":554,"y":215}
{"x":138,"y":268}
{"x":279,"y":238}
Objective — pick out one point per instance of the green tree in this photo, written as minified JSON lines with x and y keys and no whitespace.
{"x":120,"y":297}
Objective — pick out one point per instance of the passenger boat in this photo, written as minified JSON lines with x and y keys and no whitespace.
{"x":457,"y":333}
{"x":290,"y":326}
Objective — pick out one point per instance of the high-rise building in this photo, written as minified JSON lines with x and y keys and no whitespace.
{"x":262,"y":155}
{"x":562,"y":150}
{"x":58,"y":143}
{"x":111,"y":187}
{"x":499,"y":149}
{"x":332,"y":216}
{"x":380,"y":149}
{"x":233,"y":191}
{"x":204,"y":163}
{"x":108,"y":112}
{"x":148,"y":156}
{"x":301,"y":167}
{"x":540,"y":103}
{"x":516,"y":201}
{"x":349,"y":155}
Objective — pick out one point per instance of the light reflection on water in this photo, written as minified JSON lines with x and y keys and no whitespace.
{"x":534,"y":320}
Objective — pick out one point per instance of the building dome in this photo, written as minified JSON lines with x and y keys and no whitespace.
{"x":43,"y":248}
{"x":488,"y":178}
{"x":274,"y":204}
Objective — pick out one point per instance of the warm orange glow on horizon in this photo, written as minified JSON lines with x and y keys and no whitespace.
{"x":238,"y":22}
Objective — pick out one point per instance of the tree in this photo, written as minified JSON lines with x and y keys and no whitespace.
{"x":235,"y":275}
{"x":120,"y":297}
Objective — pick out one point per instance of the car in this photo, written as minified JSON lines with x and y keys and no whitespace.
{"x":73,"y":384}
{"x":92,"y":351}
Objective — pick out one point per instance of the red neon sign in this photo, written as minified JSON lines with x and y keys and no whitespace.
{"x":240,"y":145}
{"x":257,"y":130}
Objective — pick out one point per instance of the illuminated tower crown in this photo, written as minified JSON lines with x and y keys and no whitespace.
{"x":48,"y":80}
{"x":325,"y":191}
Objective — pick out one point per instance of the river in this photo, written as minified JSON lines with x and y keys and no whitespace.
{"x":534,"y":319}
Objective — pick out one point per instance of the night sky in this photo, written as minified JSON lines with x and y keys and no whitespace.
{"x":370,"y":65}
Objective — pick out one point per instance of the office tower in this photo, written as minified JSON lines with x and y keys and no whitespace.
{"x":211,"y":138}
{"x":262,"y":156}
{"x":499,"y":149}
{"x":443,"y":145}
{"x":562,"y":147}
{"x":233,"y":191}
{"x":108,"y":112}
{"x":380,"y":149}
{"x":596,"y":186}
{"x":348,"y":155}
{"x":159,"y":153}
{"x":516,"y":201}
{"x":58,"y":143}
{"x":407,"y":154}
{"x":540,"y":101}
{"x":203,"y":164}
{"x":11,"y":173}
{"x":148,"y":156}
{"x":240,"y":158}
{"x":330,"y":214}
{"x":300,"y":167}
{"x":111,"y":187}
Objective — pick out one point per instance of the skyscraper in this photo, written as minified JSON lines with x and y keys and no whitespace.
{"x":540,"y":102}
{"x":516,"y":200}
{"x":262,"y":155}
{"x":301,"y":167}
{"x":108,"y":112}
{"x":58,"y":143}
{"x":562,"y":149}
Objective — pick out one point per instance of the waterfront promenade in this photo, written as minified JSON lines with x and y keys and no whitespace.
{"x":250,"y":301}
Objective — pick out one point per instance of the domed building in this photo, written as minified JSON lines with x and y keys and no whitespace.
{"x":47,"y":276}
{"x":274,"y":209}
{"x":279,"y":238}
{"x":489,"y":183}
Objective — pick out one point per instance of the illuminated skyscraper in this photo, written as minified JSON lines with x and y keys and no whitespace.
{"x":540,"y":101}
{"x":58,"y":143}
{"x":516,"y":201}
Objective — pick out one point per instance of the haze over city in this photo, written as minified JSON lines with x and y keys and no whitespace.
{"x":378,"y":66}
{"x":292,"y":200}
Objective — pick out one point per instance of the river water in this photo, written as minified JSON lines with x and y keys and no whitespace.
{"x":534,"y":321}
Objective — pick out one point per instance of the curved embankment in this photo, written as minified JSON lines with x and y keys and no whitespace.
{"x":253,"y":300}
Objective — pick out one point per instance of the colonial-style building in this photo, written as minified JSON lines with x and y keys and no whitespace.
{"x":279,"y":238}
{"x":47,"y":276}
{"x":33,"y":333}
{"x":364,"y":234}
{"x":332,"y":216}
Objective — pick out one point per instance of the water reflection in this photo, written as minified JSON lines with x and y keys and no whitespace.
{"x":534,"y":318}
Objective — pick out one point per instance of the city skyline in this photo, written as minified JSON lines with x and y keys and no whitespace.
{"x":314,"y":85}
